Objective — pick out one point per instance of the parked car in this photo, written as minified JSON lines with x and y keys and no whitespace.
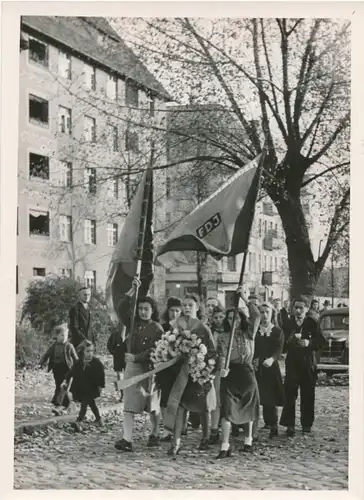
{"x":334,"y":324}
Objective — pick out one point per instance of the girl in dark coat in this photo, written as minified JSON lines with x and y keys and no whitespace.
{"x":147,"y":331}
{"x":239,"y":390}
{"x":269,"y":343}
{"x":88,"y":376}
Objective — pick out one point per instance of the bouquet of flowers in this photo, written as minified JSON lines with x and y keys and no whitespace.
{"x":187,"y":343}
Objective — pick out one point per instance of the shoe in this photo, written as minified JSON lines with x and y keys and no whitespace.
{"x":204,"y":444}
{"x":153,"y":441}
{"x":290,"y":431}
{"x":121,"y":396}
{"x":214,"y":437}
{"x":99,"y":423}
{"x":224,"y":454}
{"x":76,"y":426}
{"x":266,"y":426}
{"x":246,"y":448}
{"x":174,"y":450}
{"x":235,"y":430}
{"x":306,"y":430}
{"x":273,"y":431}
{"x":57,"y":411}
{"x":166,"y":439}
{"x":184,"y":432}
{"x":123,"y":445}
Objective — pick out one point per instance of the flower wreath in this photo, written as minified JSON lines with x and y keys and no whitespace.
{"x":178,"y":341}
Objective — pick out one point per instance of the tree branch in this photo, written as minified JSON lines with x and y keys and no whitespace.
{"x":342,"y":125}
{"x":269,"y":66}
{"x":321,"y":174}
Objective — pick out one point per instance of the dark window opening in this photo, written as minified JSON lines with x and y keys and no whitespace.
{"x":39,"y":223}
{"x":91,"y":181}
{"x":131,"y":94}
{"x":39,"y":271}
{"x":38,"y":109}
{"x":38,"y":166}
{"x":131,"y":141}
{"x":38,"y":52}
{"x":231,"y":263}
{"x":151,"y":107}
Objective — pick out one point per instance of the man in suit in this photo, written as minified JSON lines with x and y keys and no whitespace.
{"x":80,"y":319}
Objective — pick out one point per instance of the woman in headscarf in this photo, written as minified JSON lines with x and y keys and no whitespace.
{"x":239,"y":389}
{"x":269,"y":343}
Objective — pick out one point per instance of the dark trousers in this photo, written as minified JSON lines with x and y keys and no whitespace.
{"x":270,"y":415}
{"x":83,"y":409}
{"x":306,"y":383}
{"x":59,"y":373}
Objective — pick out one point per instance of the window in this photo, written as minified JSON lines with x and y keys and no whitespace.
{"x":115,"y":188}
{"x":275,"y":233}
{"x":90,"y":279}
{"x":38,"y":223}
{"x":90,"y":231}
{"x":112,"y":137}
{"x":265,"y":227}
{"x":89,"y":77}
{"x":168,"y":187}
{"x":39,"y":271}
{"x":64,"y":120}
{"x":131,"y":141}
{"x":65,"y":227}
{"x":259,"y":263}
{"x":89,"y":129}
{"x":111,"y":87}
{"x":65,"y":273}
{"x":38,"y":110}
{"x":265,"y":263}
{"x":112,"y":234}
{"x":90,"y":180}
{"x":131,"y":94}
{"x":151,"y":106}
{"x":275,"y":264}
{"x":38,"y":52}
{"x":65,"y":169}
{"x":260,"y":228}
{"x":270,"y":227}
{"x":231,"y":263}
{"x":64,"y":65}
{"x":38,"y":166}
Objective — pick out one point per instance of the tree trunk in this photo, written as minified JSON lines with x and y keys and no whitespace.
{"x":301,"y":262}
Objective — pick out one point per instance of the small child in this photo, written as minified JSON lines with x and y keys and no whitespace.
{"x":88,"y":376}
{"x":217,"y":328}
{"x":61,"y":357}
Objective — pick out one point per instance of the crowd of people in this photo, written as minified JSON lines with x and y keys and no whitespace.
{"x":247,"y":374}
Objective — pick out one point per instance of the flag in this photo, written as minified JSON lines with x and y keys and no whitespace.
{"x":123,"y":265}
{"x":220,"y":225}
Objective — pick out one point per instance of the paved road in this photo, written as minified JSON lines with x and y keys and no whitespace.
{"x":89,"y":461}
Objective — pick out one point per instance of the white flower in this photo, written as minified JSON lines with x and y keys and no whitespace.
{"x":172,"y":338}
{"x":200,"y":356}
{"x":203,"y":349}
{"x":211,"y":362}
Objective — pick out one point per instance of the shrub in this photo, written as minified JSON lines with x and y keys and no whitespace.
{"x":30,"y":345}
{"x":49,"y":301}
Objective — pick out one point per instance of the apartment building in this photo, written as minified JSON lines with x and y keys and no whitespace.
{"x":83,"y":94}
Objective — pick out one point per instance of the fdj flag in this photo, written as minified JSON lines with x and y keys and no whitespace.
{"x":221,"y":224}
{"x":123,"y":265}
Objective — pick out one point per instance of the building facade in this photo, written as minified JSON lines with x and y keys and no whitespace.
{"x":83,"y":98}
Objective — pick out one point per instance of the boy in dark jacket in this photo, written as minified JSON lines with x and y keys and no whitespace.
{"x":80,"y":319}
{"x":61,"y":357}
{"x":88,"y":376}
{"x":303,"y":340}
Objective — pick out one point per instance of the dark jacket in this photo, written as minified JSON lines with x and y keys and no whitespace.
{"x":70,"y":356}
{"x":80,"y":324}
{"x":88,"y":380}
{"x":270,"y":383}
{"x":303,"y":358}
{"x":117,"y":348}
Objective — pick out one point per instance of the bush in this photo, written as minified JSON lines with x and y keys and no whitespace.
{"x":30,"y":345}
{"x":49,"y":301}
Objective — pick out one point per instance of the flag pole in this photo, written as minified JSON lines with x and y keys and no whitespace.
{"x":242,"y":271}
{"x":141,"y":237}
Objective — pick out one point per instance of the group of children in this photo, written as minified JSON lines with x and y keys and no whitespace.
{"x":250,"y":379}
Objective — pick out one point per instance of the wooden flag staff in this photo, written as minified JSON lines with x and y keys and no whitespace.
{"x":236,"y":308}
{"x":141,"y":238}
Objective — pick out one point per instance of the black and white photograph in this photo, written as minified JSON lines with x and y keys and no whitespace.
{"x":181,"y":284}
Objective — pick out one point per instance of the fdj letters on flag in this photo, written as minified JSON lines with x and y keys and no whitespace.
{"x":123,"y":263}
{"x":220,"y":225}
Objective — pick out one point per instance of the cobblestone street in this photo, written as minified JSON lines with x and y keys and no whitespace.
{"x":62,"y":460}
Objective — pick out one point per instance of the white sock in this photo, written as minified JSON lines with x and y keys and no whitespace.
{"x":248,"y":441}
{"x":178,"y":442}
{"x":225,"y":446}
